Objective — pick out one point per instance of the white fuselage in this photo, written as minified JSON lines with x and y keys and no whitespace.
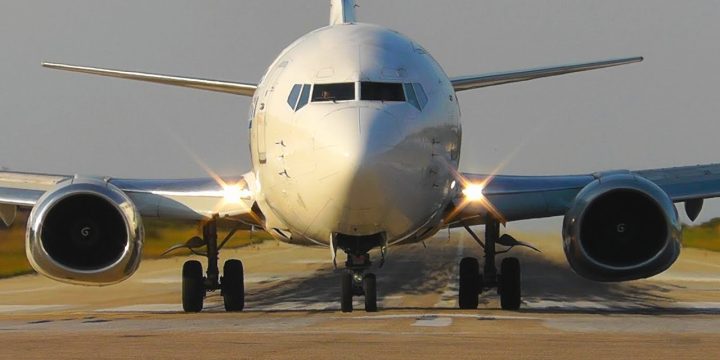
{"x":344,"y":165}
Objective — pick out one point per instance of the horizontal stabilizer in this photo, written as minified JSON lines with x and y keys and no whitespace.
{"x":203,"y":84}
{"x":479,"y":81}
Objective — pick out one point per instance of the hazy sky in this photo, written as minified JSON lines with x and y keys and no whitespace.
{"x":662,"y":112}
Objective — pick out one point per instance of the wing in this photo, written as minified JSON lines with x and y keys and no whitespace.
{"x":477,"y":81}
{"x":235,"y":88}
{"x":511,"y":198}
{"x":190,"y":199}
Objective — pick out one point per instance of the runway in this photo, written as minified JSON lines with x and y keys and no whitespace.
{"x":293,"y":311}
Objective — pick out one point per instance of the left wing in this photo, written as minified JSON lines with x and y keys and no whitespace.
{"x":510,"y":198}
{"x":461,"y":83}
{"x":191,"y":199}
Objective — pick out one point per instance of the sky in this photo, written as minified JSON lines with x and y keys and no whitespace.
{"x":659,"y":113}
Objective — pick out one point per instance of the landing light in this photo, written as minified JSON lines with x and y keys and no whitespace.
{"x":234,"y":193}
{"x":474,"y":192}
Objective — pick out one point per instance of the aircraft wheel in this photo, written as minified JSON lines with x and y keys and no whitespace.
{"x":193,"y":286}
{"x":469,"y":287}
{"x":346,"y":304}
{"x":370,"y":287}
{"x":510,"y":284}
{"x":233,"y":285}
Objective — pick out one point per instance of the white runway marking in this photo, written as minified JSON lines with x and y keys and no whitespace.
{"x":441,"y":315}
{"x":617,"y":306}
{"x":145,"y":308}
{"x":32,"y":308}
{"x":703,"y":263}
{"x":689,"y":277}
{"x":252,"y":279}
{"x":568,"y":305}
{"x":23,"y":291}
{"x":433,"y":321}
{"x":172,"y":279}
{"x":311,"y":261}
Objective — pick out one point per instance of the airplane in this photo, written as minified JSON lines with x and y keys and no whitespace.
{"x":355,"y":141}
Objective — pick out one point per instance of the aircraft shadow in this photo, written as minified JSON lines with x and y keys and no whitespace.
{"x":414,"y":271}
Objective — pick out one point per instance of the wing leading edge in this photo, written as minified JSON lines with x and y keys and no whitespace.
{"x":530,"y":197}
{"x":244,"y":89}
{"x":190,"y":199}
{"x":462,"y":83}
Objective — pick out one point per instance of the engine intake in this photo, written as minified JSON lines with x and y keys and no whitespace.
{"x":621,"y":227}
{"x":85,"y":231}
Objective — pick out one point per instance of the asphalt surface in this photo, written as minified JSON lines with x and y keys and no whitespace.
{"x":292,"y":311}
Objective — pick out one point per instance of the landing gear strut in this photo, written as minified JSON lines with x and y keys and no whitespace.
{"x":356,"y":282}
{"x":195,"y":286}
{"x":507,"y":281}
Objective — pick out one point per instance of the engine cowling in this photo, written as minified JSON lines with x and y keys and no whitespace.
{"x":621,"y":227}
{"x":85,"y":231}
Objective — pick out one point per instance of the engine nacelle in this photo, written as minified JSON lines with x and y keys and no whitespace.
{"x":621,"y":227}
{"x":85,"y":231}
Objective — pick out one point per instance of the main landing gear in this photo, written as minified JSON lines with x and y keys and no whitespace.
{"x":507,"y":281}
{"x":356,"y":282}
{"x":195,"y":286}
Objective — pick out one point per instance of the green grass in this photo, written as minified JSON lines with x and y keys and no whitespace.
{"x":704,"y":236}
{"x":159,"y":235}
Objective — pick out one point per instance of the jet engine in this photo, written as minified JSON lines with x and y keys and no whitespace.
{"x":85,"y":231}
{"x":621,"y":227}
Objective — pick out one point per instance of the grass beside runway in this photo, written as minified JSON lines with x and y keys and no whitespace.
{"x":704,"y":236}
{"x":159,"y":236}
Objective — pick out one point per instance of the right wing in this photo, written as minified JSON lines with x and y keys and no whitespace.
{"x":512,"y":198}
{"x":235,"y":88}
{"x":189,"y":199}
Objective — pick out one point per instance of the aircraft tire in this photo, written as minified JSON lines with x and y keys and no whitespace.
{"x":193,"y":286}
{"x":510,"y":295}
{"x":370,"y":287}
{"x":469,"y":287}
{"x":346,"y":304}
{"x":233,"y":285}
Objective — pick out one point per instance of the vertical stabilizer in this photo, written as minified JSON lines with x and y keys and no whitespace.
{"x":342,"y":12}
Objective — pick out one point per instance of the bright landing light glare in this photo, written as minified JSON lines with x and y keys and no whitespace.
{"x":233,"y":194}
{"x":473,"y":192}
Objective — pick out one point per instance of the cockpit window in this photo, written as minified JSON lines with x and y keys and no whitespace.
{"x":304,"y":97}
{"x":333,"y":92}
{"x":410,"y":94}
{"x":294,"y":94}
{"x":416,"y":95}
{"x":422,"y":98}
{"x":299,"y":96}
{"x":377,"y":91}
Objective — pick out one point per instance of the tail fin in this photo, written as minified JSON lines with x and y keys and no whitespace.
{"x":342,"y":12}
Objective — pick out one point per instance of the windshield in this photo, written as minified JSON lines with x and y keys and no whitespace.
{"x":378,"y":91}
{"x":333,"y":92}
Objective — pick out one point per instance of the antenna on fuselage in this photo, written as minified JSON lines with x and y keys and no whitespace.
{"x":342,"y":12}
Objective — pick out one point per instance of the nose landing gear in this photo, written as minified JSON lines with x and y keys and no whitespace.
{"x":472,"y":282}
{"x":355,"y":282}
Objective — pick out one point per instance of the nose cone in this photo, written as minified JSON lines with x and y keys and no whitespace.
{"x":358,"y":148}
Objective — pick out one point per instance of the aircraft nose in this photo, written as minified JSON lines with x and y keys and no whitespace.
{"x":354,"y":136}
{"x":358,"y":147}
